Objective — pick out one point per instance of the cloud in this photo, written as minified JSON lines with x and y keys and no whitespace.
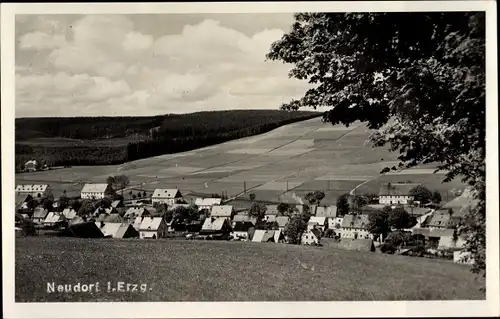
{"x":108,"y":67}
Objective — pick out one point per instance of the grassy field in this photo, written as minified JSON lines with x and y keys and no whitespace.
{"x":281,"y":165}
{"x":231,"y":271}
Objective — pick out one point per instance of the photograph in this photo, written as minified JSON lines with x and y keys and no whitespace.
{"x":179,"y":155}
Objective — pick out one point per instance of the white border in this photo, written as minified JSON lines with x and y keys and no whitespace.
{"x":490,"y":307}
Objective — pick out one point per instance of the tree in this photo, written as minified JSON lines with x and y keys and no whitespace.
{"x":111,"y":181}
{"x":421,"y":193}
{"x":47,"y":204}
{"x":184,"y":215}
{"x":284,"y":209}
{"x":122,"y":181}
{"x":87,"y":208}
{"x":139,"y":194}
{"x":343,"y":205}
{"x":421,"y":89}
{"x":378,"y":222}
{"x":28,"y":228}
{"x":257,"y":210}
{"x":103,"y":203}
{"x":399,"y":218}
{"x":436,"y":197}
{"x":144,"y":194}
{"x":134,"y":196}
{"x":252,"y":196}
{"x":315,"y":197}
{"x":294,"y":229}
{"x":358,"y":202}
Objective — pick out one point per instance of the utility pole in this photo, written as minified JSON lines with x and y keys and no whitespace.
{"x":244,"y":186}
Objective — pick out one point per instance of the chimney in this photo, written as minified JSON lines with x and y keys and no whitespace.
{"x":102,"y":224}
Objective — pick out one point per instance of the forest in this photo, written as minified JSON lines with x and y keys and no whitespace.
{"x":114,"y":140}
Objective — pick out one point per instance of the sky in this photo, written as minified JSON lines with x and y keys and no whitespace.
{"x":126,"y":65}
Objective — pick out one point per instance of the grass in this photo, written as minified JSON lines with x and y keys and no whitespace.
{"x":231,"y":271}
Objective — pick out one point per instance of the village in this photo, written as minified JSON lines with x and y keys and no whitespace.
{"x":403,"y":218}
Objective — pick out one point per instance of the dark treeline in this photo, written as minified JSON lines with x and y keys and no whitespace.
{"x":174,"y":134}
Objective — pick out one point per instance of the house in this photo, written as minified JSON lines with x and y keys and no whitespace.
{"x":114,"y":218}
{"x":207,"y":203}
{"x":117,"y":230}
{"x":317,"y":222}
{"x":39,"y":214}
{"x":53,"y":219}
{"x":222,"y":211}
{"x":398,"y":193}
{"x":166,"y":196}
{"x":282,"y":222}
{"x":69,"y":213}
{"x":311,"y":237}
{"x":218,"y":228}
{"x":119,"y":206}
{"x":35,"y":190}
{"x":271,"y":213}
{"x":134,"y":212}
{"x":30,"y":166}
{"x":263,"y":236}
{"x":366,"y":245}
{"x":137,"y":222}
{"x":244,"y":218}
{"x":440,"y":219}
{"x":463,"y":257}
{"x":96,"y":191}
{"x":240,"y":230}
{"x":449,"y":240}
{"x":326,"y":211}
{"x":335,"y":223}
{"x":153,"y":227}
{"x":355,"y":226}
{"x":438,"y":238}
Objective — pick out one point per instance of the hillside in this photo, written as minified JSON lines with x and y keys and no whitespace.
{"x":231,"y":271}
{"x":114,"y":140}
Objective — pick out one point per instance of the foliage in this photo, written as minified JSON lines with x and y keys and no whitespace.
{"x":115,"y":140}
{"x":251,"y":196}
{"x":358,"y":202}
{"x":285,"y":209}
{"x":378,"y":222}
{"x":422,"y":89}
{"x":329,"y":233}
{"x":28,"y":228}
{"x":184,"y":215}
{"x":63,"y":202}
{"x":421,"y":193}
{"x":47,"y":204}
{"x":436,"y":197}
{"x":399,"y":238}
{"x":86,"y":208}
{"x":266,"y":225}
{"x":343,"y":205}
{"x":399,"y":218}
{"x":294,"y":229}
{"x":103,"y":203}
{"x":111,"y":180}
{"x":121,"y":181}
{"x":257,"y":210}
{"x":315,"y":197}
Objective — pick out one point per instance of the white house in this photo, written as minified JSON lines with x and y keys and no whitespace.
{"x":311,"y":237}
{"x":153,"y":227}
{"x":207,"y":203}
{"x":166,"y":196}
{"x":69,"y":213}
{"x":222,"y":211}
{"x":271,"y":213}
{"x":393,"y":194}
{"x":317,"y":222}
{"x":335,"y":223}
{"x":355,"y":226}
{"x":96,"y":191}
{"x":240,"y":230}
{"x":35,"y":190}
{"x":54,"y":218}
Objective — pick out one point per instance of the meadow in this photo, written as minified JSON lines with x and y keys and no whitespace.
{"x":181,"y":270}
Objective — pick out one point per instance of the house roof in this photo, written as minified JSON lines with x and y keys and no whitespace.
{"x":124,"y":227}
{"x":272,"y":210}
{"x":242,"y":226}
{"x":166,"y":193}
{"x":114,"y":218}
{"x":433,"y":232}
{"x":40,"y":212}
{"x":396,"y":189}
{"x":213,"y":224}
{"x":315,"y":232}
{"x":54,"y":218}
{"x":116,"y":203}
{"x":136,"y":211}
{"x":282,"y":220}
{"x":355,"y":221}
{"x":207,"y":201}
{"x":151,"y":223}
{"x":69,"y":213}
{"x":106,"y":211}
{"x":357,"y":244}
{"x":21,"y":198}
{"x":77,"y":220}
{"x":137,"y":222}
{"x":326,"y":211}
{"x":108,"y":229}
{"x":85,"y":230}
{"x":439,"y":219}
{"x":221,"y":211}
{"x":30,"y":188}
{"x":315,"y":219}
{"x":94,"y":188}
{"x":32,"y":162}
{"x":263,"y":236}
{"x":278,"y":234}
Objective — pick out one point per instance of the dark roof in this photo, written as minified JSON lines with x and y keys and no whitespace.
{"x":85,"y":230}
{"x":439,"y":219}
{"x":396,"y":189}
{"x":242,"y":226}
{"x":21,"y":198}
{"x":355,"y":221}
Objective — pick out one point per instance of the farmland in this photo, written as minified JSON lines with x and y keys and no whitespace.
{"x":280,"y":165}
{"x":235,"y":271}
